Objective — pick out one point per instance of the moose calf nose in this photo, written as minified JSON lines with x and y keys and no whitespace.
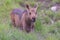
{"x":33,"y":19}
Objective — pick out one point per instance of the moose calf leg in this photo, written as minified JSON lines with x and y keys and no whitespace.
{"x":32,"y":26}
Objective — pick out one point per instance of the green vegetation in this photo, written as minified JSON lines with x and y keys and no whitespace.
{"x":44,"y":29}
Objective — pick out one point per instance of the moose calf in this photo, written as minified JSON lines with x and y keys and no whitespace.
{"x":24,"y":19}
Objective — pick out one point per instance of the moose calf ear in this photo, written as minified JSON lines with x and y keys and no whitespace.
{"x":27,"y":6}
{"x":36,"y":6}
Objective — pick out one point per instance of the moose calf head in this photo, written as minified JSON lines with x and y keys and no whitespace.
{"x":32,"y":12}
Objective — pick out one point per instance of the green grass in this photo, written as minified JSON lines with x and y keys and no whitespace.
{"x":42,"y":31}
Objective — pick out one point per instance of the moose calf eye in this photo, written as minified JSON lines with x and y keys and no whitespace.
{"x":30,"y":13}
